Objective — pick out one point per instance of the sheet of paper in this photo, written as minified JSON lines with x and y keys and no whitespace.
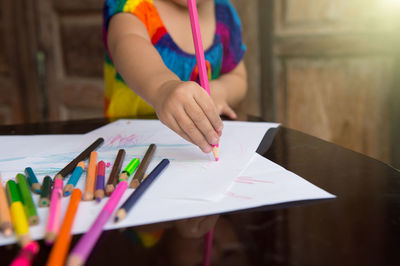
{"x":191,"y":174}
{"x":259,"y":182}
{"x":46,"y":154}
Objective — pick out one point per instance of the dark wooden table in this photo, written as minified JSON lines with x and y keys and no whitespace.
{"x":360,"y":227}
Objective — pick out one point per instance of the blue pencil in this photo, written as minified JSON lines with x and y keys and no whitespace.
{"x":76,"y":174}
{"x":133,"y":198}
{"x":32,"y":180}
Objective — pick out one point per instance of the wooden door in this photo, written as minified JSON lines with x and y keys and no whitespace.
{"x":334,"y":67}
{"x":20,"y":99}
{"x":70,"y":41}
{"x":51,"y":60}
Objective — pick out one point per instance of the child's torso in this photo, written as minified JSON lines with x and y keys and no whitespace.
{"x":177,"y":23}
{"x":169,"y":29}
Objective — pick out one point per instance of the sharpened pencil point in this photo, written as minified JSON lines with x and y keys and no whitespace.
{"x":215,"y":151}
{"x":98,"y":200}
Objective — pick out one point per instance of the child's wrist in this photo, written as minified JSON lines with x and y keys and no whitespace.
{"x":161,"y":91}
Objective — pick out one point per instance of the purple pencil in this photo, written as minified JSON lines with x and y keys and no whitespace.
{"x":85,"y":245}
{"x":101,"y":170}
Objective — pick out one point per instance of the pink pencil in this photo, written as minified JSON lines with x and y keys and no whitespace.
{"x":85,"y":245}
{"x":201,"y":65}
{"x":53,"y":221}
{"x":201,"y":61}
{"x":26,"y":255}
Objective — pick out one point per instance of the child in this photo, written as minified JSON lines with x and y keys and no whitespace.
{"x":150,"y":65}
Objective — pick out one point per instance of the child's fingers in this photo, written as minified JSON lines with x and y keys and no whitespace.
{"x":209,"y":108}
{"x":173,"y":124}
{"x":170,"y":122}
{"x":191,"y":130}
{"x":202,"y":123}
{"x":226,"y":110}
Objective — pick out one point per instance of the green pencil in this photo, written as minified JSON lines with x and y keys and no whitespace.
{"x":17,"y":212}
{"x":12,"y":192}
{"x":44,"y":200}
{"x":29,"y":206}
{"x":129,"y":170}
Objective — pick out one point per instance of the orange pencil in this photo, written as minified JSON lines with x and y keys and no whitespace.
{"x":5,"y":217}
{"x":90,"y":177}
{"x":60,"y":249}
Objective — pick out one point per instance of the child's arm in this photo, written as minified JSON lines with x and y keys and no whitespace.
{"x":184,"y":107}
{"x":229,"y":89}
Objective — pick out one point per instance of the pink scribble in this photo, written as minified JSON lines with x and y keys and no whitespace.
{"x":250,"y":180}
{"x":121,"y":140}
{"x":243,"y":182}
{"x":234,"y":195}
{"x":108,"y":164}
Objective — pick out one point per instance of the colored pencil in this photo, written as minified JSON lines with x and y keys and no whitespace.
{"x":26,"y":255}
{"x":53,"y":220}
{"x":59,"y":252}
{"x":13,"y":192}
{"x":207,"y":247}
{"x":137,"y":178}
{"x":116,"y":169}
{"x":81,"y":157}
{"x":32,"y":180}
{"x":201,"y":62}
{"x":90,"y":177}
{"x":18,"y":218}
{"x":73,"y":180}
{"x":201,"y":65}
{"x":5,"y":218}
{"x":133,"y":164}
{"x":85,"y":245}
{"x":133,"y":198}
{"x":45,"y":193}
{"x":29,"y":206}
{"x":101,"y":171}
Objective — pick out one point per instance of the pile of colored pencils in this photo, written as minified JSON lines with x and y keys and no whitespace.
{"x":18,"y":210}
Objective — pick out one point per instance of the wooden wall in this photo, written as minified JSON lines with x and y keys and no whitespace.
{"x":18,"y":80}
{"x":72,"y":44}
{"x":333,"y":67}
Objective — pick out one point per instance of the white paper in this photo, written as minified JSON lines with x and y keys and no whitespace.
{"x":245,"y":179}
{"x":46,"y":154}
{"x":191,"y":173}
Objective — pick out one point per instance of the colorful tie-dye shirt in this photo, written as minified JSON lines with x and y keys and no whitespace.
{"x":222,"y":56}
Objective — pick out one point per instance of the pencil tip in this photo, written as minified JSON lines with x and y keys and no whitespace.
{"x":116,"y":219}
{"x":66,"y":193}
{"x":98,"y":200}
{"x":216,"y":152}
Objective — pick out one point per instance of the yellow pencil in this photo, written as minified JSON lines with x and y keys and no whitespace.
{"x":18,"y":216}
{"x":20,"y":223}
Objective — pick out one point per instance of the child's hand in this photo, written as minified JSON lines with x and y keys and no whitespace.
{"x":188,"y":110}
